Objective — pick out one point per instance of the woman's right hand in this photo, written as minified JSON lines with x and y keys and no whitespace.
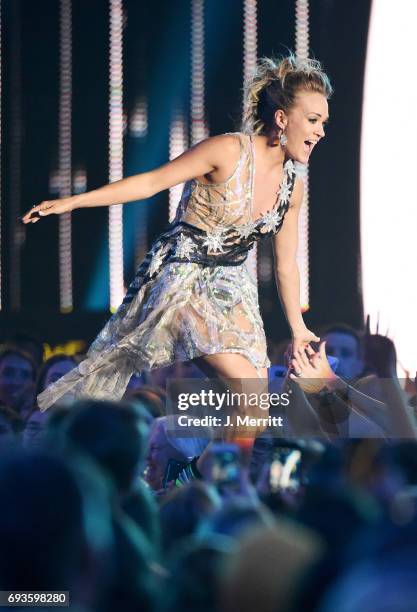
{"x":49,"y":207}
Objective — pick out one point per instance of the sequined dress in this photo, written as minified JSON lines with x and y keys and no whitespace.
{"x":193,"y":294}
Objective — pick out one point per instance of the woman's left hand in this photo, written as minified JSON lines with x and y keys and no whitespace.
{"x":301,"y":339}
{"x":311,"y":370}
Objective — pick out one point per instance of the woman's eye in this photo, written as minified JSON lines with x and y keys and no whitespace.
{"x":313,"y":120}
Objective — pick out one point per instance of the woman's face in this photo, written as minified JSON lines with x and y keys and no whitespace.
{"x":16,"y":377}
{"x":305,"y":124}
{"x":57,"y":370}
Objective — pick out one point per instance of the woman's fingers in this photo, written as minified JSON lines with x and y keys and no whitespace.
{"x":310,"y":351}
{"x":322,"y":350}
{"x":41,"y":210}
{"x":27,"y":217}
{"x":304,"y":358}
{"x":32,"y":215}
{"x":297,"y":366}
{"x":315,"y":360}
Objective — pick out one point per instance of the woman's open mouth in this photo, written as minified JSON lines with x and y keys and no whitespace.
{"x":309,"y":146}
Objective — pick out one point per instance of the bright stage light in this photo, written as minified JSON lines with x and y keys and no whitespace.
{"x":0,"y":161}
{"x":250,"y":38}
{"x":302,"y":46}
{"x":116,"y":152}
{"x":388,"y":168}
{"x":14,"y":161}
{"x":64,"y":174}
{"x":303,"y":245}
{"x":178,"y":143}
{"x":199,"y":128}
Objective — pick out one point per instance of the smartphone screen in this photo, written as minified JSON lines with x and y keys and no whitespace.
{"x":172,"y":471}
{"x":225,"y":466}
{"x":285,"y":469}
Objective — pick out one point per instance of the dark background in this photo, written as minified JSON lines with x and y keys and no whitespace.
{"x":157,"y":63}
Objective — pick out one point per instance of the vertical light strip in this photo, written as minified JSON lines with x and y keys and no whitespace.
{"x":15,"y":229}
{"x":116,"y":152}
{"x":138,"y":129}
{"x":250,"y":38}
{"x":199,"y":127}
{"x":138,"y":147}
{"x":302,"y":46}
{"x":65,"y":109}
{"x":178,"y":143}
{"x":388,"y":205}
{"x":1,"y":199}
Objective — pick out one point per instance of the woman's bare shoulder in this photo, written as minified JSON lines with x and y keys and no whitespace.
{"x":224,"y":153}
{"x":224,"y":143}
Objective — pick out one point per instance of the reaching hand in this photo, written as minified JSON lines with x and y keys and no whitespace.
{"x":49,"y":207}
{"x":312,"y":370}
{"x":301,"y":339}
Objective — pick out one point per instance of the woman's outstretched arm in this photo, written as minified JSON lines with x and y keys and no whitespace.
{"x":209,"y":155}
{"x":285,"y":244}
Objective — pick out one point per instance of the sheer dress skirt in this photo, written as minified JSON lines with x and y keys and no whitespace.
{"x":186,"y":312}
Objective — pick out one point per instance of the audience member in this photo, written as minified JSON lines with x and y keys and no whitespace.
{"x":184,"y":509}
{"x":51,"y":371}
{"x":151,"y":398}
{"x":110,"y":501}
{"x":29,"y":343}
{"x":140,"y":505}
{"x":196,"y":573}
{"x":345,"y":343}
{"x":166,"y":450}
{"x":236,"y":516}
{"x":266,"y":568}
{"x":45,"y":519}
{"x":17,"y":380}
{"x":113,"y":435}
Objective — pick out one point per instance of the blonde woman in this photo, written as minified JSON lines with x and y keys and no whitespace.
{"x":192,"y":297}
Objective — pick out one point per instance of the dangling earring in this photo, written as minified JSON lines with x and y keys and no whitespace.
{"x":283,"y":139}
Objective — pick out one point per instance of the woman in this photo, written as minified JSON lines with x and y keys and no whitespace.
{"x":192,"y":297}
{"x":17,"y":379}
{"x":52,"y":370}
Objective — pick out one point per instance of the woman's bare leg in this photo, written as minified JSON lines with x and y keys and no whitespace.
{"x":239,"y":376}
{"x":229,"y":365}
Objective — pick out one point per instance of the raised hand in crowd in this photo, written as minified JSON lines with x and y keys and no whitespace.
{"x":411,"y":387}
{"x":380,"y":355}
